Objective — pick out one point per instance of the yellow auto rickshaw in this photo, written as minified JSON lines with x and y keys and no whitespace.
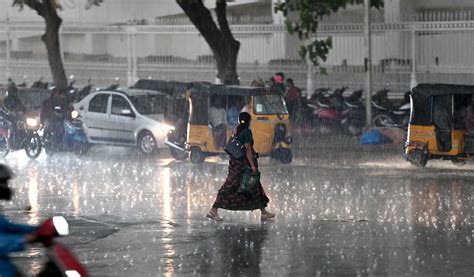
{"x":213,"y":116}
{"x":437,"y":128}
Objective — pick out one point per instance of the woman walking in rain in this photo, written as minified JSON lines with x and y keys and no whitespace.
{"x":228,"y":196}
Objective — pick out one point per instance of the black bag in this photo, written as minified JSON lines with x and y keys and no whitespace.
{"x":235,"y":148}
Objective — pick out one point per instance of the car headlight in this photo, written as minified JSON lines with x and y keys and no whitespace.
{"x":167,"y":128}
{"x":31,"y":122}
{"x":74,"y":114}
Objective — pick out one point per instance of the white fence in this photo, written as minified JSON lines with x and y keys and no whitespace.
{"x":432,"y":51}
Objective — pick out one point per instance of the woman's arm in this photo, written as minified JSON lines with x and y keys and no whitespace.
{"x":249,"y":155}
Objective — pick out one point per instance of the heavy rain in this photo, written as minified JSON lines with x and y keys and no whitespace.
{"x":143,"y":145}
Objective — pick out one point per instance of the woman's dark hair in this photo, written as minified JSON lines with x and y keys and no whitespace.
{"x":244,"y":122}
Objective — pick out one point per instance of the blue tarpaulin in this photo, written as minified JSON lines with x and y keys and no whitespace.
{"x":374,"y":136}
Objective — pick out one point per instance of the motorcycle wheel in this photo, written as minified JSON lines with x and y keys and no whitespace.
{"x":354,"y":130}
{"x":33,"y":147}
{"x":4,"y":150}
{"x":81,"y":148}
{"x":48,"y":149}
{"x":382,"y":120}
{"x":325,"y":128}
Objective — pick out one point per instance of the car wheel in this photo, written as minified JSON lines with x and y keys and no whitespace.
{"x":33,"y":148}
{"x":146,"y":143}
{"x":197,"y":156}
{"x":178,"y":154}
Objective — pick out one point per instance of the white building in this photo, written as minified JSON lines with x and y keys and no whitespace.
{"x":263,"y":40}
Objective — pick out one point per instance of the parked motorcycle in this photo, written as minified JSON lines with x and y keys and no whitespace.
{"x":21,"y":136}
{"x":61,"y":261}
{"x":329,"y":111}
{"x":66,"y":134}
{"x":388,"y":115}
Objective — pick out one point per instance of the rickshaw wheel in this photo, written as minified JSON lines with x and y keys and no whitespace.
{"x":286,"y":156}
{"x":178,"y":154}
{"x":458,"y":162}
{"x":197,"y":156}
{"x":418,"y":158}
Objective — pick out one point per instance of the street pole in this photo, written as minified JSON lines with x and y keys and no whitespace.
{"x":368,"y":66}
{"x":8,"y":47}
{"x":413,"y":81}
{"x":309,"y":76}
{"x":129,"y":57}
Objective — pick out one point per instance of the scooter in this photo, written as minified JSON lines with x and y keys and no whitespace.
{"x":388,"y":115}
{"x":23,"y":136}
{"x":354,"y":114}
{"x":61,"y":262}
{"x":66,"y":135}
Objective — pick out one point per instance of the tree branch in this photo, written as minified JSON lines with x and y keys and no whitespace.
{"x":222,"y":18}
{"x":201,"y":17}
{"x":33,"y":4}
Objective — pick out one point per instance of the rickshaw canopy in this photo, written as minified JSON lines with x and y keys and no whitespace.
{"x":433,"y":102}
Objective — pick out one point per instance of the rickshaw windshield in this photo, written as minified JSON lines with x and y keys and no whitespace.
{"x":269,"y":104}
{"x":149,"y":104}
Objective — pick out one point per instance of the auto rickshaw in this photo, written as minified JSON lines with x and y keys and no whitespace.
{"x":437,"y":128}
{"x":213,"y":116}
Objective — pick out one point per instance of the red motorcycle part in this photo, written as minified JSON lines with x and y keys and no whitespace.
{"x":327,"y":113}
{"x":66,"y":261}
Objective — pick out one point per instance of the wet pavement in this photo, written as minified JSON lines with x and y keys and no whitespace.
{"x":353,"y":213}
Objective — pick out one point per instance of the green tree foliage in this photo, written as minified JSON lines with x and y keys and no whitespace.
{"x":304,"y":21}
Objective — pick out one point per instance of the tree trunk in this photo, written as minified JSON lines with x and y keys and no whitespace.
{"x":226,"y":59}
{"x":221,"y":41}
{"x":48,"y":10}
{"x":51,"y":40}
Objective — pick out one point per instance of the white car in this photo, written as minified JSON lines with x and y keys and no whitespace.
{"x":126,"y":117}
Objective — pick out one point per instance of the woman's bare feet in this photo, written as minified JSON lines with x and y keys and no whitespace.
{"x":212,"y":214}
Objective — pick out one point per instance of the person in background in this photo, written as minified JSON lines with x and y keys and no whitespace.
{"x":293,"y":99}
{"x":12,"y":103}
{"x":236,"y":105}
{"x":258,"y":83}
{"x":217,"y":119}
{"x":279,"y":82}
{"x":39,"y":84}
{"x":228,"y":196}
{"x":469,"y":118}
{"x":13,"y":237}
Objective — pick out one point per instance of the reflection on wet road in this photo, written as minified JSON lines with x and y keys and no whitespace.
{"x":357,"y":216}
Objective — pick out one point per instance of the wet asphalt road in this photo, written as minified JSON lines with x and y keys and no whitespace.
{"x":350,"y":213}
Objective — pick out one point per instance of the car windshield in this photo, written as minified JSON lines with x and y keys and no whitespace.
{"x":149,"y":104}
{"x":269,"y":104}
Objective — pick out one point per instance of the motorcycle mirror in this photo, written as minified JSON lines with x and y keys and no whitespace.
{"x":61,"y":225}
